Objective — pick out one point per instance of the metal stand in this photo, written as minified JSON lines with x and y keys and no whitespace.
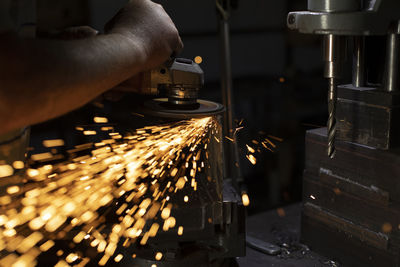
{"x":232,"y":167}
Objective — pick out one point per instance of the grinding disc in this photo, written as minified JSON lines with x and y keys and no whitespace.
{"x":160,"y":108}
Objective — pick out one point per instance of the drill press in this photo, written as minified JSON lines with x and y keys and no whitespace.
{"x":351,"y":197}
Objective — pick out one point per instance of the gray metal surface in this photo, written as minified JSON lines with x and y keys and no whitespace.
{"x":334,"y":5}
{"x":334,"y":55}
{"x":373,"y":19}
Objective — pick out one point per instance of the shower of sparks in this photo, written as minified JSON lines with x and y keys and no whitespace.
{"x":257,"y":146}
{"x":264,"y":143}
{"x":132,"y":176}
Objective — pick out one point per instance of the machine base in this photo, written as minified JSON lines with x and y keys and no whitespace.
{"x":351,"y":203}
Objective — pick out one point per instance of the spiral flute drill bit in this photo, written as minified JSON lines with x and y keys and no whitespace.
{"x":332,"y":118}
{"x":333,"y":54}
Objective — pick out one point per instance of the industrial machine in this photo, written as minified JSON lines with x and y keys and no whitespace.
{"x":351,"y":187}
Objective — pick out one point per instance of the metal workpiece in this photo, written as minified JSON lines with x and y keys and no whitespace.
{"x":359,"y":61}
{"x":368,"y":116}
{"x":391,"y":76}
{"x":342,"y":17}
{"x":334,"y":5}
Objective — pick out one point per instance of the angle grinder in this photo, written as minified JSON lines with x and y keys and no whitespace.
{"x":179,"y":80}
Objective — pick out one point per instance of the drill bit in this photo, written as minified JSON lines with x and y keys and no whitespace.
{"x":332,"y":118}
{"x":334,"y":48}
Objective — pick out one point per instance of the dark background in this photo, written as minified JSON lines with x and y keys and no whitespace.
{"x":278,"y":84}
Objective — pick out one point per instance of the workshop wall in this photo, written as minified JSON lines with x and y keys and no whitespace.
{"x":60,"y":14}
{"x":257,"y":33}
{"x":257,"y":36}
{"x":100,"y":11}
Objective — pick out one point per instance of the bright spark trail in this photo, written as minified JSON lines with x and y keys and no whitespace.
{"x":131,"y":177}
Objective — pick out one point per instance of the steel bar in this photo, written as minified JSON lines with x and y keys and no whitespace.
{"x":232,"y":167}
{"x":359,"y":61}
{"x":391,"y":82}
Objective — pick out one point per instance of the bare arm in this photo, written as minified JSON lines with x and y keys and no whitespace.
{"x":42,"y":79}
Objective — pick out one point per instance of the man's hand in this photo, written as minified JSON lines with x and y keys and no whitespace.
{"x":148,"y":24}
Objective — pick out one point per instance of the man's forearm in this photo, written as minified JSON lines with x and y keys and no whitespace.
{"x":42,"y":79}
